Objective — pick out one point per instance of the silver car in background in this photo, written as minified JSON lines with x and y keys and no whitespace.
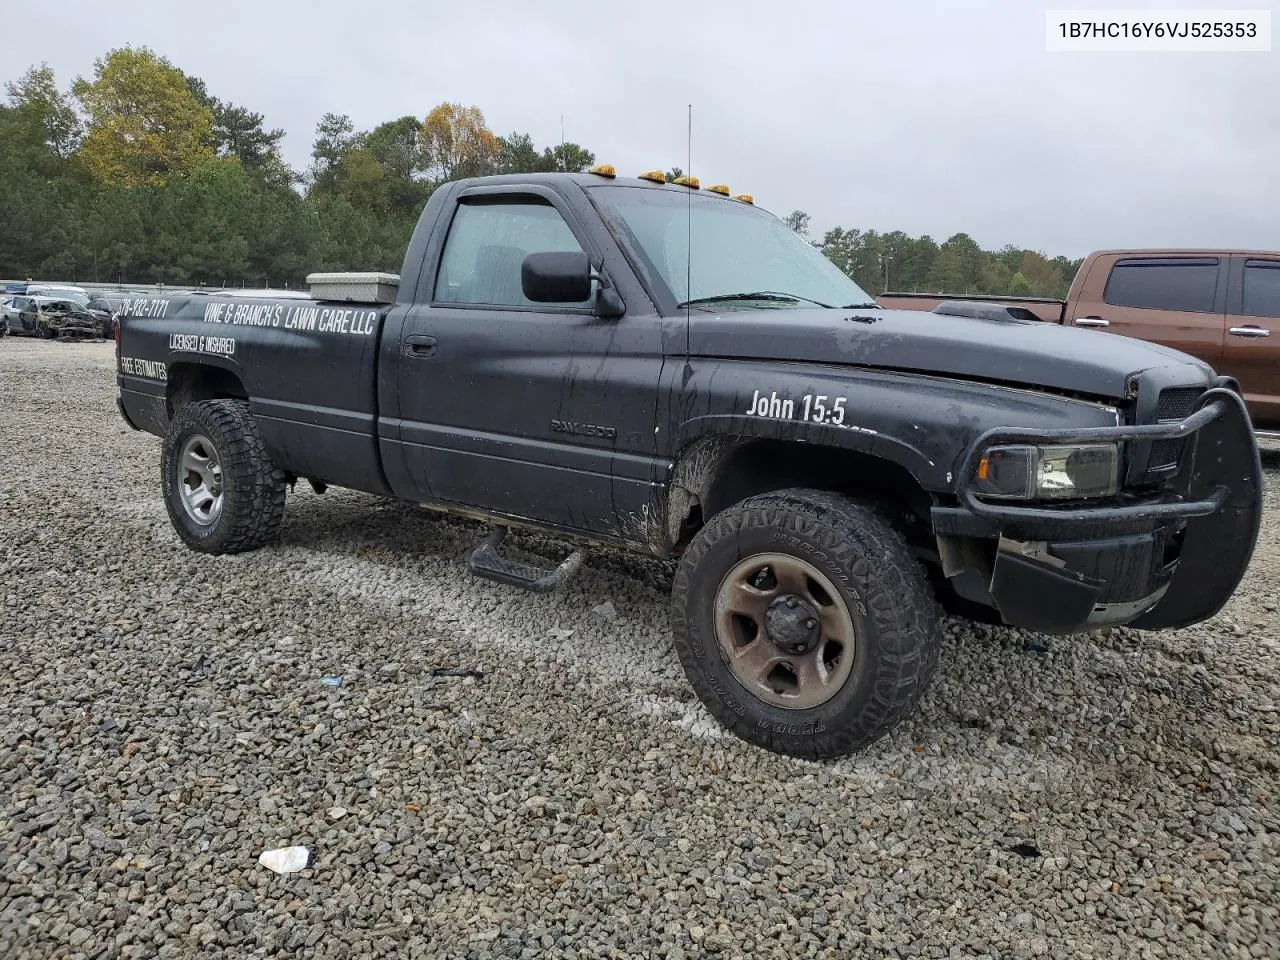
{"x":62,"y":291}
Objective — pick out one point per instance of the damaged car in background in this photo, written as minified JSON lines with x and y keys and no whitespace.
{"x":53,"y":318}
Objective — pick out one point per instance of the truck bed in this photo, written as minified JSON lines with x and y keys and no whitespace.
{"x":308,"y":366}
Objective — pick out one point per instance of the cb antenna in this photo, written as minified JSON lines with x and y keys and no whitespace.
{"x":688,"y":263}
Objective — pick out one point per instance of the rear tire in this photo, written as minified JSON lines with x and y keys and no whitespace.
{"x":857,"y":588}
{"x":221,"y":490}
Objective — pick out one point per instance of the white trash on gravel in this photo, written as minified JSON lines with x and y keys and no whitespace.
{"x":286,"y":859}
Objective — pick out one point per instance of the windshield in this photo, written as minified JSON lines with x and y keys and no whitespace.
{"x":742,"y":256}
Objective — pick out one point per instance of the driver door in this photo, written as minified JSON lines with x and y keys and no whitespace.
{"x":534,"y":410}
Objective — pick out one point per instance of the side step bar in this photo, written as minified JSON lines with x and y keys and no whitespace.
{"x":486,"y":562}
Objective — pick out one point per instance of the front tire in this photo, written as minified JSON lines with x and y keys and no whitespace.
{"x":803,"y":623}
{"x":221,"y":490}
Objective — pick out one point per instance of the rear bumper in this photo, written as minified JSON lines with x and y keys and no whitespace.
{"x":142,"y":403}
{"x":1167,"y":560}
{"x":125,"y":413}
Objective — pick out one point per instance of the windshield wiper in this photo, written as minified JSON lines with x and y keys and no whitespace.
{"x":870,"y":305}
{"x":769,"y":295}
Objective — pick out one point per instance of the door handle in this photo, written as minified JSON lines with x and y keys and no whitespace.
{"x":1250,"y":330}
{"x":419,"y":347}
{"x":1092,"y":322}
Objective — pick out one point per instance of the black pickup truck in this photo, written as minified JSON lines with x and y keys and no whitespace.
{"x":669,"y":369}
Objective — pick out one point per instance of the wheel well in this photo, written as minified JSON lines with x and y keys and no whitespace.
{"x":717,"y":473}
{"x":759,"y":466}
{"x":193,"y":382}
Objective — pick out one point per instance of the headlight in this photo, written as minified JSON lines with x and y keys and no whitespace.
{"x":1058,"y":472}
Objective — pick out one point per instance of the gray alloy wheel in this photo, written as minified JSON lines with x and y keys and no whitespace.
{"x":221,"y":490}
{"x":200,"y":469}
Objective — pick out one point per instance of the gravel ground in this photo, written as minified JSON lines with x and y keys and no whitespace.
{"x":163,"y":721}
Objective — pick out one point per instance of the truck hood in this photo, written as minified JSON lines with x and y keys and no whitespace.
{"x":1043,"y":355}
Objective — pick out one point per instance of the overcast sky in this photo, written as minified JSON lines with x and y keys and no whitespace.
{"x":924,"y":116}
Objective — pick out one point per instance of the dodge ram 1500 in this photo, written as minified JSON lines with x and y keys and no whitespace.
{"x":668,"y":369}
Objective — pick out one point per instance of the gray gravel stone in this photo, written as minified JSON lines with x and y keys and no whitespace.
{"x":1110,"y":795}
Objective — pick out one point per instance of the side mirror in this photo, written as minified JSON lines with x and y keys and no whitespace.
{"x":556,"y":277}
{"x":609,"y":305}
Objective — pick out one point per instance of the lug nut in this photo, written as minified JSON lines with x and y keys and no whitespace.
{"x":791,"y":602}
{"x":811,"y":623}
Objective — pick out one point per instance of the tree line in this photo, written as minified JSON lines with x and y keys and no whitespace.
{"x":894,"y":261}
{"x":140,"y":174}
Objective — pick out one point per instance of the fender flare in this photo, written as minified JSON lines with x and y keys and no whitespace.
{"x":706,"y":443}
{"x":859,"y":439}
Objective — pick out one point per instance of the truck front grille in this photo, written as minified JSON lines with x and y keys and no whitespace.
{"x":1174,"y":405}
{"x":1177,"y":404}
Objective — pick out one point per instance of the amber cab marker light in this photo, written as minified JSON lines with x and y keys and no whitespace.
{"x":657,"y":176}
{"x":720,"y":188}
{"x":687,"y":182}
{"x":604,"y":170}
{"x":745,"y":198}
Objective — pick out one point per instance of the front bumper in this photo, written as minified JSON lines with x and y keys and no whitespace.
{"x":1167,"y":559}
